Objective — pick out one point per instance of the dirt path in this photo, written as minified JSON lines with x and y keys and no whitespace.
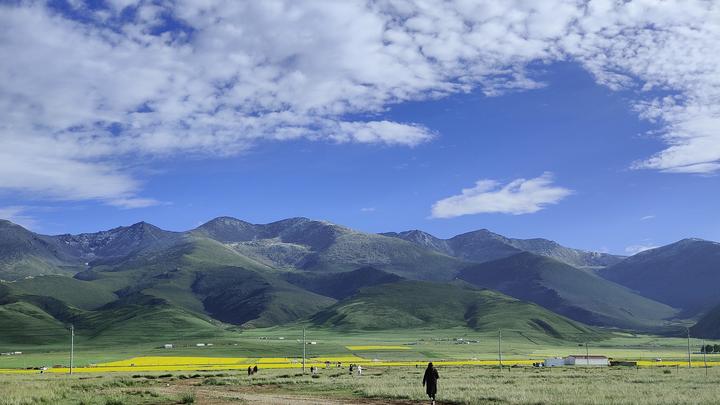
{"x":221,"y":395}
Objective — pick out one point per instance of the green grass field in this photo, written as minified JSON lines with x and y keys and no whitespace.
{"x":379,"y":385}
{"x":457,"y":385}
{"x":424,"y":345}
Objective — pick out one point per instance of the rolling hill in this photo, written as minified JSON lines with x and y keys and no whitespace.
{"x":576,"y":293}
{"x":708,"y":327}
{"x":483,"y":246}
{"x":684,"y":275}
{"x":419,"y":304}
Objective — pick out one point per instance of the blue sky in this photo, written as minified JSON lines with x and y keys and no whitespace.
{"x":609,"y":145}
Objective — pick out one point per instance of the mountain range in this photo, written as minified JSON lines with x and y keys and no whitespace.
{"x":228,"y":273}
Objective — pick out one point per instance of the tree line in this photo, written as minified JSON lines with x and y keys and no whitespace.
{"x":710,"y":349}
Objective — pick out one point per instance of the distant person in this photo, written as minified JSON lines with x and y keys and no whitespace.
{"x":249,"y":370}
{"x":430,"y":381}
{"x":255,"y":369}
{"x":359,"y":368}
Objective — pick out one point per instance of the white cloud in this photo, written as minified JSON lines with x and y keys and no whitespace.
{"x":18,"y":215}
{"x":635,"y":249}
{"x":367,"y":209}
{"x":521,"y":196}
{"x":78,"y":98}
{"x":647,"y":217}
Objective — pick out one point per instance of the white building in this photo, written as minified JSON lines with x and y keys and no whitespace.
{"x":583,"y":360}
{"x":554,"y":362}
{"x":168,"y":346}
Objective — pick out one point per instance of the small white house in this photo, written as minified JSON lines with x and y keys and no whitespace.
{"x":554,"y":362}
{"x":168,"y":345}
{"x":200,"y":345}
{"x":583,"y":360}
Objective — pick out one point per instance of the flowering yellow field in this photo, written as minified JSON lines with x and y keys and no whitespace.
{"x":368,"y":348}
{"x":172,"y":361}
{"x":164,"y":364}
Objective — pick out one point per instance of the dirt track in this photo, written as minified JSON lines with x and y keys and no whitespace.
{"x":221,"y":395}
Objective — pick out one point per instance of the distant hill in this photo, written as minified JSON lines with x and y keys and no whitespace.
{"x":708,"y":327}
{"x":24,"y":253}
{"x":576,"y":293}
{"x":321,"y":246}
{"x":418,"y":304}
{"x":29,"y":319}
{"x":483,"y":246}
{"x":118,"y":242}
{"x":685,"y":274}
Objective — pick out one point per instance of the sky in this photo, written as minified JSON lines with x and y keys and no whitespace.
{"x":592,"y":123}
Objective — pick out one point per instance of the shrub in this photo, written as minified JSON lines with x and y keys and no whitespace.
{"x":187,"y":398}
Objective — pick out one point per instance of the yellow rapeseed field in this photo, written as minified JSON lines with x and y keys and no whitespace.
{"x":369,"y":348}
{"x":169,"y":363}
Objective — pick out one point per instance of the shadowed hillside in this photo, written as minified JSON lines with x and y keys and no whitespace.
{"x":576,"y":293}
{"x":685,"y":274}
{"x":417,"y":304}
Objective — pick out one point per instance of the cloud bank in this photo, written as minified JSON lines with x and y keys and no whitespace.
{"x":86,"y":91}
{"x":521,"y":196}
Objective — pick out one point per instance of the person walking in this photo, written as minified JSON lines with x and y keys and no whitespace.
{"x":430,"y":382}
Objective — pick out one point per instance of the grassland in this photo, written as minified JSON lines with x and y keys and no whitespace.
{"x":393,"y":361}
{"x":377,"y":385}
{"x":452,"y":344}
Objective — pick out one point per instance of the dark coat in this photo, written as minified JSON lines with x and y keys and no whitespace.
{"x":430,"y":381}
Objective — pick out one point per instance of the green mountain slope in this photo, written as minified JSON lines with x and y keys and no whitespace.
{"x":28,"y":320}
{"x":418,"y":304}
{"x":708,"y":327}
{"x":340,"y":285}
{"x":685,"y":274}
{"x":24,"y":253}
{"x":249,"y":298}
{"x":576,"y":293}
{"x":207,"y":277}
{"x":76,"y":293}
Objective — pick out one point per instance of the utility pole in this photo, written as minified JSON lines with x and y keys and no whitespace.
{"x":500,"y":348}
{"x":72,"y":347}
{"x":688,"y":337}
{"x":304,"y":346}
{"x":704,"y":351}
{"x":587,"y":354}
